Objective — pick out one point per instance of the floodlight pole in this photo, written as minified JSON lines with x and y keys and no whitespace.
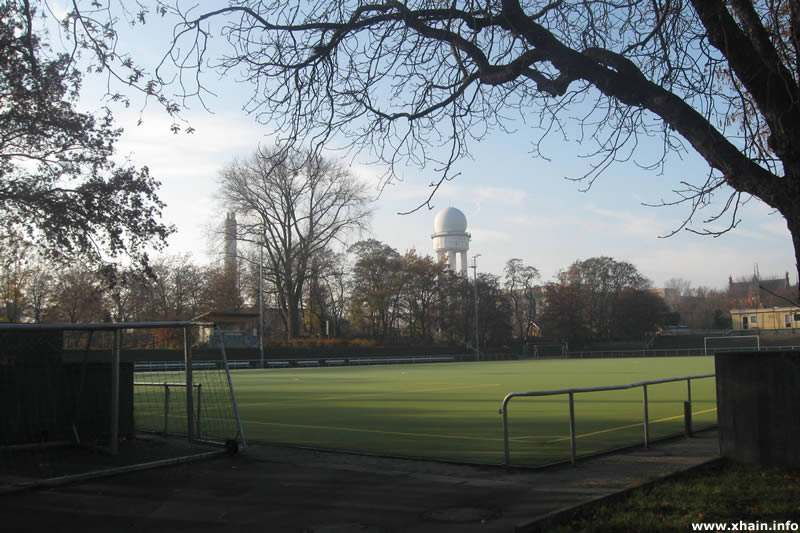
{"x":261,"y":299}
{"x":474,"y":268}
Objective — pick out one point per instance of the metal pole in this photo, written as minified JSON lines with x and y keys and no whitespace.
{"x":689,"y":391}
{"x":199,"y":389}
{"x":261,"y":301}
{"x":114,"y":429}
{"x":230,"y":386}
{"x":687,"y":419}
{"x":187,"y":353}
{"x":646,"y":421}
{"x":166,"y":409}
{"x":687,"y":409}
{"x":477,"y":339}
{"x":572,"y":445}
{"x":504,"y":412}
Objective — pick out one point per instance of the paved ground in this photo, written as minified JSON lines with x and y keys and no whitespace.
{"x":274,"y":489}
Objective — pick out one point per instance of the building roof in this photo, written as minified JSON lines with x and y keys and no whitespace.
{"x":743,"y":288}
{"x":215,"y":316}
{"x":766,"y":310}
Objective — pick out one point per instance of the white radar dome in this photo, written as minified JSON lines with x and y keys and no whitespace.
{"x":450,"y":220}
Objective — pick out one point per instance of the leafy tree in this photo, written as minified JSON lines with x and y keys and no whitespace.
{"x":494,"y":312}
{"x":638,"y":313}
{"x":593,"y":299}
{"x":421,"y":291}
{"x":377,"y":283}
{"x":601,"y":280}
{"x":296,"y":204}
{"x":565,"y":316}
{"x":59,"y":186}
{"x":456,"y":309}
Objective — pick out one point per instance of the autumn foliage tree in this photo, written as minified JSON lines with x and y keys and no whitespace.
{"x":59,"y":185}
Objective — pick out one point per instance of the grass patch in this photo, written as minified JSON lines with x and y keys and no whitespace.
{"x":725,"y":493}
{"x":450,"y":410}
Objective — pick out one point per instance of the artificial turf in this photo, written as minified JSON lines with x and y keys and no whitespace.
{"x":450,"y":410}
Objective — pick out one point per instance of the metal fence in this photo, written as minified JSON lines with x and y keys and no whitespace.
{"x":673,"y":352}
{"x":302,"y":362}
{"x":571,"y":393}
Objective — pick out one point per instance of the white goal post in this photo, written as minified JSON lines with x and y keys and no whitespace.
{"x":732,"y":346}
{"x":552,"y":349}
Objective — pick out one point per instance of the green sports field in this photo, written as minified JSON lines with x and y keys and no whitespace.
{"x":450,"y":410}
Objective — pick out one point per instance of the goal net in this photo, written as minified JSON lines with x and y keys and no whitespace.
{"x":93,"y":398}
{"x":547,"y":350}
{"x":739,"y":343}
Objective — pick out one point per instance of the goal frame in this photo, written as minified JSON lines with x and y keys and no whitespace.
{"x":534,"y":349}
{"x":116,"y":329}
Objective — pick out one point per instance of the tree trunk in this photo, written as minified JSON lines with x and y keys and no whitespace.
{"x":293,"y":299}
{"x":292,"y":317}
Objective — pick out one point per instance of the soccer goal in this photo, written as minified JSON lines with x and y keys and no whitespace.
{"x":738,"y":343}
{"x":548,"y":350}
{"x":80,"y":399}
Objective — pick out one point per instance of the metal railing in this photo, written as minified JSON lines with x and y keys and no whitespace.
{"x":572,"y":392}
{"x":673,"y":352}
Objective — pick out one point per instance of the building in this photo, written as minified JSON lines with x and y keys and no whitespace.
{"x":760,"y":318}
{"x":756,"y":293}
{"x":451,"y":238}
{"x":240,"y":327}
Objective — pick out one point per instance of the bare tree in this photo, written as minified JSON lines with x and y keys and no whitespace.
{"x":79,"y":295}
{"x":15,"y":273}
{"x":519,"y":284}
{"x":327,"y":293}
{"x":421,"y":80}
{"x":295,"y":204}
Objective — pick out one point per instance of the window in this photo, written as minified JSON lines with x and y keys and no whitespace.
{"x":754,"y":319}
{"x":787,"y":320}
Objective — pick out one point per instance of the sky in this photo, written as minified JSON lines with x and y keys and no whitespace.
{"x":516,"y":206}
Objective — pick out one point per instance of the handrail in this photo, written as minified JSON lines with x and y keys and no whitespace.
{"x":571,"y":392}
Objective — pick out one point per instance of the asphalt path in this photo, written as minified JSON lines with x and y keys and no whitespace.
{"x":279,"y":489}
